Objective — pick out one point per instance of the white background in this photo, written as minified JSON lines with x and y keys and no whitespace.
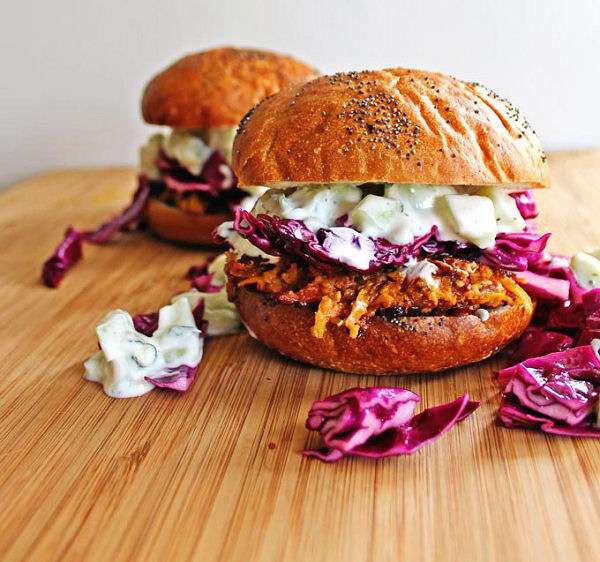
{"x":73,"y":70}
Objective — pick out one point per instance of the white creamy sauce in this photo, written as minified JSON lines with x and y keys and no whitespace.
{"x":482,"y":314}
{"x":345,"y":245}
{"x":190,"y":151}
{"x":127,"y":357}
{"x":318,"y":206}
{"x":254,"y":193}
{"x":218,"y":138}
{"x":222,"y":316}
{"x":402,"y":213}
{"x":472,"y":218}
{"x":422,"y":269}
{"x":217,"y":269}
{"x":149,"y":156}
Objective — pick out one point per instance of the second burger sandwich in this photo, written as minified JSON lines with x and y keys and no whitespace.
{"x":202,"y":98}
{"x":390,"y":241}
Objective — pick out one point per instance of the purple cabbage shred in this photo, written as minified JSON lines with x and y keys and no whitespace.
{"x":328,"y":247}
{"x":178,"y":378}
{"x":525,"y":203}
{"x":66,"y":255}
{"x":146,"y":324}
{"x":216,"y":182}
{"x":554,"y":385}
{"x":537,"y":341}
{"x":555,"y":393}
{"x":516,"y":251}
{"x":201,"y":278}
{"x":69,"y":251}
{"x":379,"y":422}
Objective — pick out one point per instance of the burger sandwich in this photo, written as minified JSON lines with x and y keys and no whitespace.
{"x":397,"y":234}
{"x":201,"y":98}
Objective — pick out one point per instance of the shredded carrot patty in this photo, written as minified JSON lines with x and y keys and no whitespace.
{"x":349,"y":299}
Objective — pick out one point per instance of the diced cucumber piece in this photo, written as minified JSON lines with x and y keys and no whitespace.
{"x":508,"y":218}
{"x":586,"y":268}
{"x":473,"y":218}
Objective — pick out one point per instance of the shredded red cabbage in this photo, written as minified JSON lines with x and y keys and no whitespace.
{"x":544,"y":288}
{"x":201,"y":278}
{"x":516,"y":251}
{"x":537,"y":341}
{"x":69,"y":251}
{"x":216,"y":182}
{"x":179,"y":378}
{"x":554,"y":386}
{"x":378,"y":422}
{"x":556,"y":393}
{"x":216,"y":175}
{"x":525,"y":203}
{"x":66,"y":255}
{"x":146,"y":324}
{"x":330,"y":246}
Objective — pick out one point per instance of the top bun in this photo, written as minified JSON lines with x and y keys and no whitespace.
{"x":216,"y":88}
{"x":390,"y":126}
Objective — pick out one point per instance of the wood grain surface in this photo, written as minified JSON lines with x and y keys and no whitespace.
{"x":216,"y":474}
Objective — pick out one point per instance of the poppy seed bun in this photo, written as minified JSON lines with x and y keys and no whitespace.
{"x":174,"y":224}
{"x":396,"y":126}
{"x":413,"y":344}
{"x":216,"y":88}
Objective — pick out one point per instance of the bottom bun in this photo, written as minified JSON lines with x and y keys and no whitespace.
{"x":411,"y":344}
{"x":177,"y":225}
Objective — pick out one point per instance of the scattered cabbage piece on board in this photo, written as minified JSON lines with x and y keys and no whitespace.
{"x":554,"y":386}
{"x":536,"y":341}
{"x":215,"y":177}
{"x":379,"y":422}
{"x":555,"y":393}
{"x":69,"y":251}
{"x":65,"y":256}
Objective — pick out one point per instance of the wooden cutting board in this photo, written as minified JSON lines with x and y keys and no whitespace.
{"x":216,"y":474}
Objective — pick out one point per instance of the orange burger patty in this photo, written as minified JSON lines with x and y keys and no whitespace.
{"x":350,"y":298}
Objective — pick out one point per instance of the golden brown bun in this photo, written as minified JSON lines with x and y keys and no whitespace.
{"x":396,"y":125}
{"x":412,"y":345}
{"x":216,"y":88}
{"x":174,"y":224}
